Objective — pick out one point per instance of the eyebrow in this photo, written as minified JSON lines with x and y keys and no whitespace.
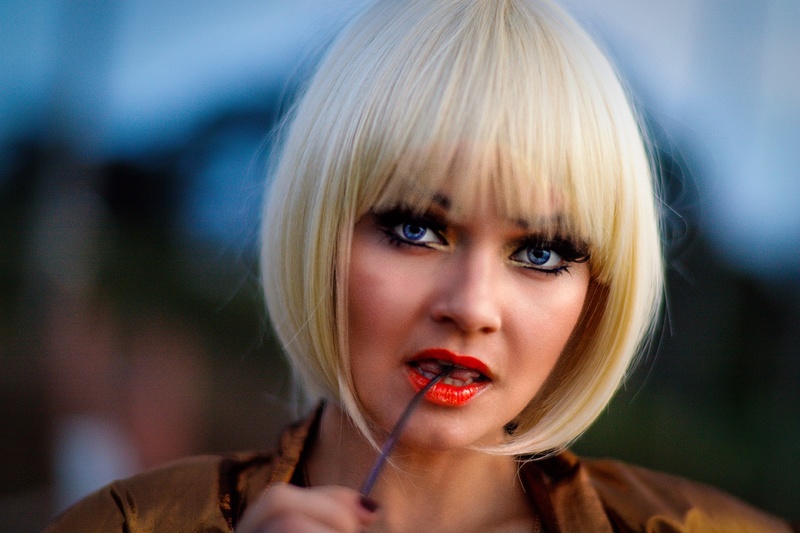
{"x":442,"y":201}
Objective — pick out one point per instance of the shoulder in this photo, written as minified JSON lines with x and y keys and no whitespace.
{"x":207,"y":492}
{"x":640,"y":499}
{"x":204,"y":493}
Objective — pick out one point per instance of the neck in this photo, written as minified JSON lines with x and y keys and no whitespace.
{"x":450,"y":490}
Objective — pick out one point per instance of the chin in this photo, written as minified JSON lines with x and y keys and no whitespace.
{"x":447,"y":435}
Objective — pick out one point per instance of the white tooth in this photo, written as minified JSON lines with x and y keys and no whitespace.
{"x":428,"y":375}
{"x":469,"y":381}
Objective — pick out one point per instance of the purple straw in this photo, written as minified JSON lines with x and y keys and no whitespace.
{"x":366,"y":489}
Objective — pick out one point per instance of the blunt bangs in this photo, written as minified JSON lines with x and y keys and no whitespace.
{"x":510,"y":113}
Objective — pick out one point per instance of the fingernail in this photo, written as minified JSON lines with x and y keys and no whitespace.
{"x":369,"y":504}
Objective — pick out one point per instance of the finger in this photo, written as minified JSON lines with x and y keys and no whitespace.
{"x":292,"y":523}
{"x":336,"y":508}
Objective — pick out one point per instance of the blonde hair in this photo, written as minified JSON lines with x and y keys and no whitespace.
{"x":518,"y":99}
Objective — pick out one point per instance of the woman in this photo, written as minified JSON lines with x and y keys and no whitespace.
{"x":463,"y":189}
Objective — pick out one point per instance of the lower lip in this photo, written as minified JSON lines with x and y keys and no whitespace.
{"x":444,"y":394}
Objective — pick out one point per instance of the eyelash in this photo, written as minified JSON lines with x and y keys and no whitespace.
{"x":566,"y":249}
{"x":393,"y":218}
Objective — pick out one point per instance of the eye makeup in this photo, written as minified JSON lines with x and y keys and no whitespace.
{"x":538,"y":252}
{"x":548,"y":251}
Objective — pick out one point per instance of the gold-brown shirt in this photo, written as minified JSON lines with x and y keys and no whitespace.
{"x":209,"y":494}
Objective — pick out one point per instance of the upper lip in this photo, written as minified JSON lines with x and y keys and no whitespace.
{"x":448,"y":356}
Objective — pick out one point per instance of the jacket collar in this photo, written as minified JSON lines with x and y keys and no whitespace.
{"x":557,"y":487}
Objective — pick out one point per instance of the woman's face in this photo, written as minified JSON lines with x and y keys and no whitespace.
{"x":487,"y":294}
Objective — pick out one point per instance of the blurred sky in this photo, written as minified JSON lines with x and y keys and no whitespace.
{"x":116,"y":78}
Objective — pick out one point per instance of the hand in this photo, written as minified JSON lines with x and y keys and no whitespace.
{"x":285,"y":508}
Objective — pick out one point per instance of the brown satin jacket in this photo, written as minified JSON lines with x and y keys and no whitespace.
{"x":209,"y":494}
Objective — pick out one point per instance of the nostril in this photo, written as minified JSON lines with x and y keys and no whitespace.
{"x":469,"y":316}
{"x":468,"y":295}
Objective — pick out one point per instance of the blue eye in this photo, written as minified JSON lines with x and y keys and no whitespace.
{"x":538,"y":257}
{"x":415,"y":233}
{"x":412,"y":232}
{"x":406,"y":228}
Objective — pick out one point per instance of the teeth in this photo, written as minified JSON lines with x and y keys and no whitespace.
{"x":456,"y":382}
{"x":461,"y":377}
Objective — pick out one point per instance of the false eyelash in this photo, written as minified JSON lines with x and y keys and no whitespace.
{"x":564,"y":269}
{"x":387,"y":220}
{"x":569,"y":250}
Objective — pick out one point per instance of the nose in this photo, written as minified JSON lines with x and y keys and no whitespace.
{"x":469,"y":293}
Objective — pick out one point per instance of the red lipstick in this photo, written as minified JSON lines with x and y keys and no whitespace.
{"x":468,"y":376}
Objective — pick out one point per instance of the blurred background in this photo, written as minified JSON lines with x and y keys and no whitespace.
{"x":133,"y":143}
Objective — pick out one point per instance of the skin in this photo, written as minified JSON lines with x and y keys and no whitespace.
{"x":467,"y":287}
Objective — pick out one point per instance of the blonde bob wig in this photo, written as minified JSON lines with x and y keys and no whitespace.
{"x":505,"y":99}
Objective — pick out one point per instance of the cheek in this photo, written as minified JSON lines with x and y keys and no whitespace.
{"x":549,"y":322}
{"x":362,"y":298}
{"x":369,"y":296}
{"x":567,"y":298}
{"x":567,"y":310}
{"x":379,"y":300}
